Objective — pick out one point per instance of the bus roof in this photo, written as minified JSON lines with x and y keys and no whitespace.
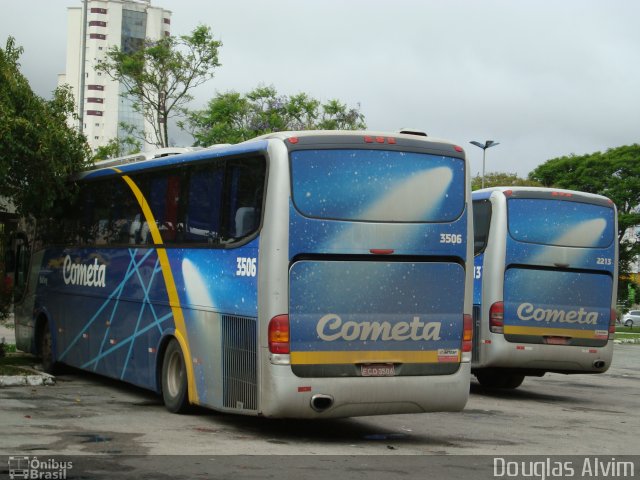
{"x":140,"y":162}
{"x":178,"y":159}
{"x":543,"y":192}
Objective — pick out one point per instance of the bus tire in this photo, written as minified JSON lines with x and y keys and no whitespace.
{"x":174,"y":379}
{"x":499,"y":380}
{"x":45,"y":349}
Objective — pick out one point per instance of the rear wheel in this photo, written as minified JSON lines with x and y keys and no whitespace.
{"x":45,"y":348}
{"x":628,"y":323}
{"x":499,"y":380}
{"x":174,"y":379}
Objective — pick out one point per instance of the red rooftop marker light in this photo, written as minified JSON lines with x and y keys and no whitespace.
{"x":293,"y":140}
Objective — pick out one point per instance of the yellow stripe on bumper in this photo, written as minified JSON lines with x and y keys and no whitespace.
{"x":552,"y":332}
{"x":352,"y":357}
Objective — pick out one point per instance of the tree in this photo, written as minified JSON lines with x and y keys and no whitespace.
{"x":232,"y":117}
{"x":614,"y":174}
{"x":501,"y":179}
{"x":39,"y":150}
{"x":159,"y":76}
{"x":117,"y":147}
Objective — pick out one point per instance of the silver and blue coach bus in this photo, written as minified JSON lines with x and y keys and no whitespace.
{"x":545,"y":282}
{"x":306,"y":274}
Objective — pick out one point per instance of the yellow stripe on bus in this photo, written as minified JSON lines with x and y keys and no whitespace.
{"x":547,"y":331}
{"x":170,"y":285}
{"x":345,"y":357}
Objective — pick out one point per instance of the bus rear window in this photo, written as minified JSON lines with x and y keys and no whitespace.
{"x":561,"y":223}
{"x":377,"y":185}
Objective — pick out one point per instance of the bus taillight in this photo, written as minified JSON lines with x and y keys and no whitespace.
{"x":496,"y":318}
{"x":279,"y":334}
{"x":467,"y":333}
{"x":612,"y":324}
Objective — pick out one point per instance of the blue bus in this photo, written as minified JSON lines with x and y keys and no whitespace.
{"x":545,"y":283}
{"x":300,"y":274}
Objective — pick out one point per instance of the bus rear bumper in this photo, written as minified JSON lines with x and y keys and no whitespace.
{"x":538,"y":358}
{"x":286,"y":395}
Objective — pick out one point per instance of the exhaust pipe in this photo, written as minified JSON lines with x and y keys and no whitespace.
{"x":321,"y":402}
{"x":599,"y":364}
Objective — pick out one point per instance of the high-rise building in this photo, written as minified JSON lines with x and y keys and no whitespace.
{"x":108,"y":23}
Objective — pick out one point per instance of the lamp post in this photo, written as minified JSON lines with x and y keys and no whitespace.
{"x":487,"y":144}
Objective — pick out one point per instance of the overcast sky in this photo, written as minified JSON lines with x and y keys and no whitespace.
{"x":545,"y":78}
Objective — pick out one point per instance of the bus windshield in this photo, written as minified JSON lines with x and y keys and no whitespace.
{"x":560,"y":222}
{"x":377,"y":185}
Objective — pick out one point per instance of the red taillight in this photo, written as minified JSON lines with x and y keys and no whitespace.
{"x":279,"y":334}
{"x":496,"y":318}
{"x":467,"y":333}
{"x":389,"y":140}
{"x":612,"y":323}
{"x":458,"y":149}
{"x":381,"y":251}
{"x":293,"y":140}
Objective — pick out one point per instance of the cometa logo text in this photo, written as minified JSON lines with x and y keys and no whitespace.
{"x":86,"y":275}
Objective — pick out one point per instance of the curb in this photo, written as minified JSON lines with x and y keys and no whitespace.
{"x":35,"y":379}
{"x":627,"y":341}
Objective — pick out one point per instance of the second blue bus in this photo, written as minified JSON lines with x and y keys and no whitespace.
{"x":546,"y":272}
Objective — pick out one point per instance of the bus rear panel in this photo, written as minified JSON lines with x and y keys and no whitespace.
{"x":378,"y":287}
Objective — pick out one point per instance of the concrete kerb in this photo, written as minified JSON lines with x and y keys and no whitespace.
{"x":627,"y":341}
{"x":31,"y":377}
{"x":31,"y":380}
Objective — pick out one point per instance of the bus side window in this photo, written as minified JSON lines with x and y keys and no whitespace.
{"x":246,"y":186}
{"x":203,"y":223}
{"x":481,"y":224}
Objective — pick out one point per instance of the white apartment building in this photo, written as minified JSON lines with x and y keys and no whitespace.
{"x":121,"y":23}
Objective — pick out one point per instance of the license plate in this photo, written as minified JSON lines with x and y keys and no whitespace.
{"x":378,"y":370}
{"x":556,"y":340}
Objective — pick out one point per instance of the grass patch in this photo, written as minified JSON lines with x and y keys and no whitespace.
{"x":10,"y":370}
{"x":623,"y":329}
{"x":9,"y":364}
{"x":9,"y":348}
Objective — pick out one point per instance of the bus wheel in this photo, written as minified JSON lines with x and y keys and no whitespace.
{"x":174,"y":379}
{"x":499,"y":380}
{"x":45,"y":348}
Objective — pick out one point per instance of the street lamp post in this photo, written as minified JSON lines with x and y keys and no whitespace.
{"x":487,"y":144}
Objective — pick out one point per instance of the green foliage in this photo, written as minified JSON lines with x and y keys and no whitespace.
{"x":159,"y":76}
{"x":117,"y":147}
{"x":232,"y":117}
{"x":39,"y":149}
{"x":501,"y":179}
{"x":614,"y":174}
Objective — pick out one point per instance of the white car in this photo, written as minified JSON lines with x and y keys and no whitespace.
{"x":631,"y":318}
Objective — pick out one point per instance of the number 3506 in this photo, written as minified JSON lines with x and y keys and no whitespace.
{"x":450,"y":238}
{"x":246,"y":267}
